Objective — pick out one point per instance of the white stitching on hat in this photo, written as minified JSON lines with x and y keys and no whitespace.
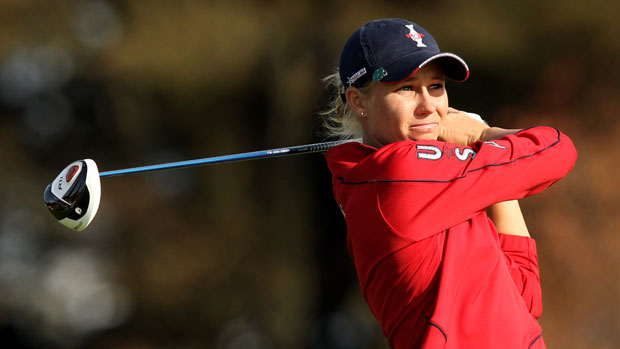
{"x":445,"y":54}
{"x":351,"y":80}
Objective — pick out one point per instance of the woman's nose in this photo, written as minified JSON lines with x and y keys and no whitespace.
{"x":426,"y":104}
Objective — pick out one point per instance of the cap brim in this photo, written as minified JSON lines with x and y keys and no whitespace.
{"x":454,"y":67}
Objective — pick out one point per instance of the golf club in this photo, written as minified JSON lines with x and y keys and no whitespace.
{"x":73,"y":196}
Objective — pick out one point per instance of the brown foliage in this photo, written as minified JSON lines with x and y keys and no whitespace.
{"x":207,"y":256}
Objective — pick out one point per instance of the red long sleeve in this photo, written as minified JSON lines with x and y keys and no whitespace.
{"x":429,"y":262}
{"x":522,"y":260}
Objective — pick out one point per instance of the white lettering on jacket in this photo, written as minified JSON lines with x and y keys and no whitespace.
{"x":428,"y":152}
{"x":431,"y":152}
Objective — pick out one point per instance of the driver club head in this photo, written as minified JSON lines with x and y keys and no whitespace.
{"x":73,"y":197}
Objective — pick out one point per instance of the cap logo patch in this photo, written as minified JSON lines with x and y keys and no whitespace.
{"x":351,"y":80}
{"x":379,"y":74}
{"x":415,"y":36}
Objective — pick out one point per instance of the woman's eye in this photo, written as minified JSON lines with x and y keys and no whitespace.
{"x":436,"y":86}
{"x":405,"y":88}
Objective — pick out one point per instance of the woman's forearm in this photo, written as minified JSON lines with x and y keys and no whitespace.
{"x":508,"y":218}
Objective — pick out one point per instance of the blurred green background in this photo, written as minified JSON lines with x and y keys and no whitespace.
{"x":252,"y":254}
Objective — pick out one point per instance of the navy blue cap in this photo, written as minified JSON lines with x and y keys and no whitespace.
{"x":391,"y":50}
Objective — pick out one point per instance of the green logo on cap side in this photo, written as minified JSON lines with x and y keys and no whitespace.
{"x":379,"y":74}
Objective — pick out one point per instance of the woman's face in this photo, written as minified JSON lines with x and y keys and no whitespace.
{"x":408,"y":110}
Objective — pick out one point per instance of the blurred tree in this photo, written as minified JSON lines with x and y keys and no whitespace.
{"x":253,"y":254}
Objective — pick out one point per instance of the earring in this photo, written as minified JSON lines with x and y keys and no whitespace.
{"x":362,"y":114}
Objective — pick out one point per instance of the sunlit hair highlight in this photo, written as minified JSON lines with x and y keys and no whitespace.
{"x":338,"y":120}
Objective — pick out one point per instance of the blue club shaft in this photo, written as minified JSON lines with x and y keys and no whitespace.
{"x":286,"y":151}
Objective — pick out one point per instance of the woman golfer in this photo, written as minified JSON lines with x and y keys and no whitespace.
{"x":442,"y":254}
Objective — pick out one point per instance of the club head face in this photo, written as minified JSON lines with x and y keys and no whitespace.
{"x":73,"y":197}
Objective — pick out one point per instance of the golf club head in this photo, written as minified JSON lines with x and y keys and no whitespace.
{"x":73,"y":197}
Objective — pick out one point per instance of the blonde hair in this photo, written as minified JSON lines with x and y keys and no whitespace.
{"x":338,"y":120}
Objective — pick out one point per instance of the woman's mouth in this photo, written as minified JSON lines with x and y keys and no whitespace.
{"x":424,"y":127}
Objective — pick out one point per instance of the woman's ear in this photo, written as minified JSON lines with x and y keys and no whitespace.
{"x":356,"y":100}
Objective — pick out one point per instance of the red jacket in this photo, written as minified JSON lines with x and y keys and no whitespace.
{"x":429,"y":261}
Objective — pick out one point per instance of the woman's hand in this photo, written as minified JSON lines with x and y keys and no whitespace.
{"x":459,"y":128}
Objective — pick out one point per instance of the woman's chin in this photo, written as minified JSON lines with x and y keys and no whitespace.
{"x":424,"y":137}
{"x":424,"y":132}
